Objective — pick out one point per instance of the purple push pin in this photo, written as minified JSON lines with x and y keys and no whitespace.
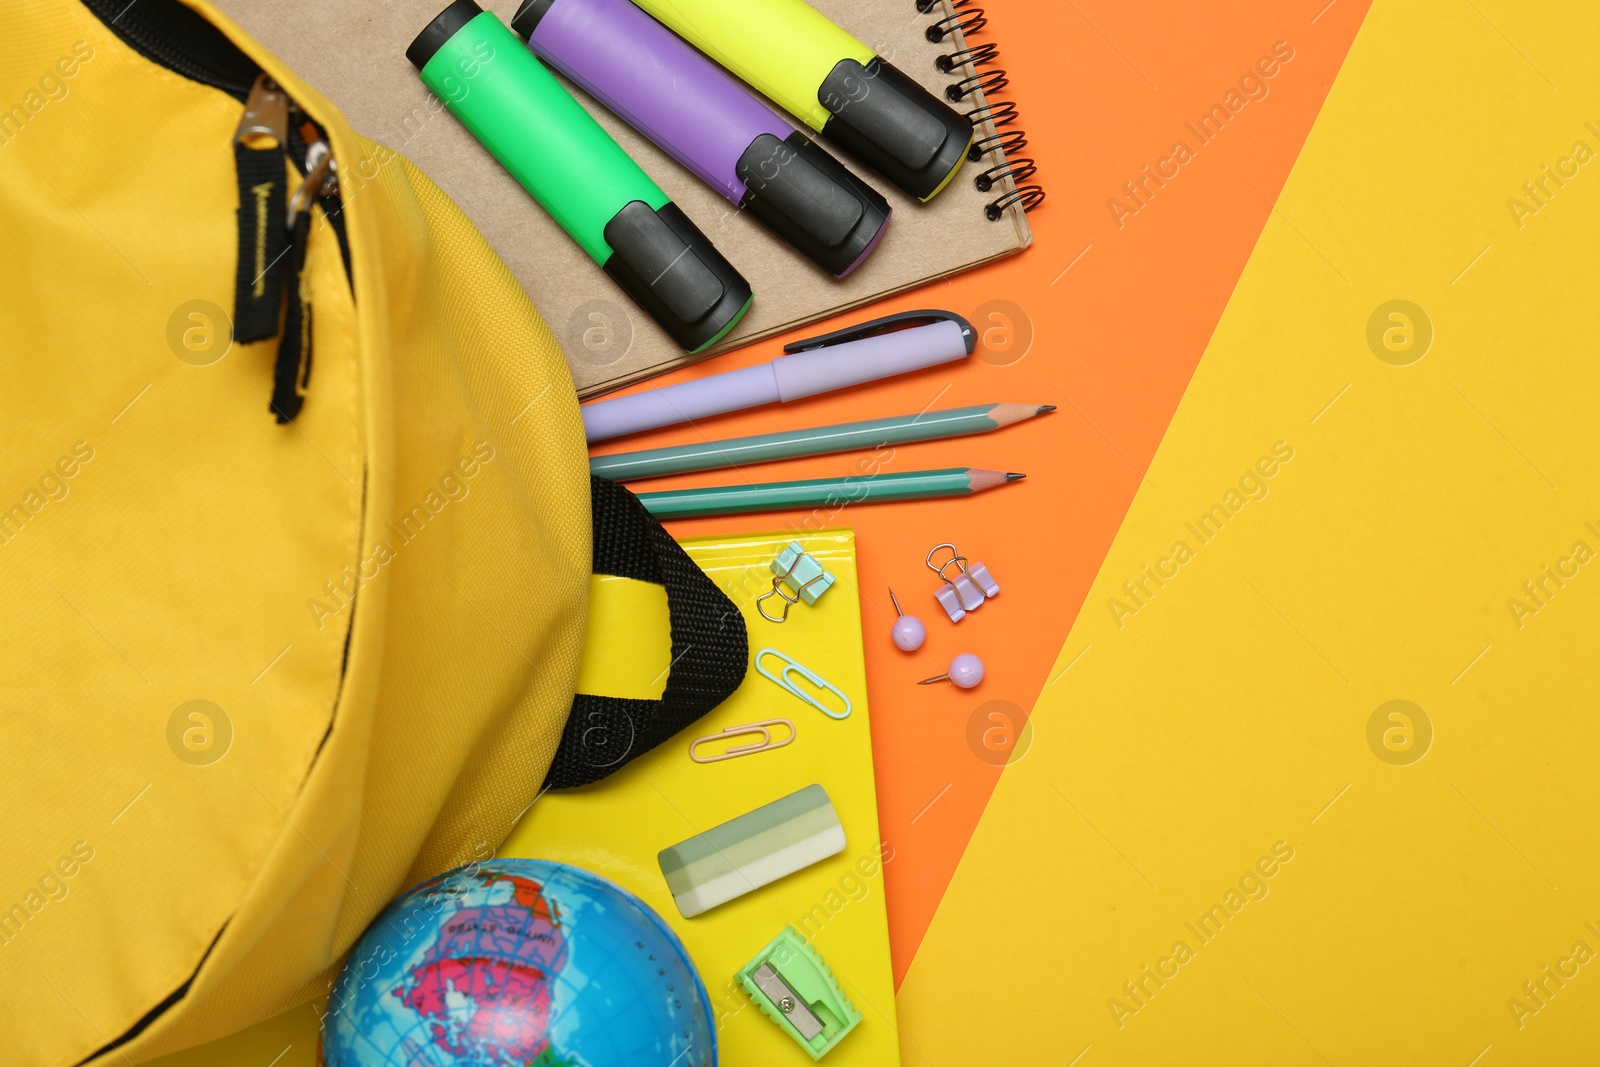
{"x":908,"y":631}
{"x":966,"y":671}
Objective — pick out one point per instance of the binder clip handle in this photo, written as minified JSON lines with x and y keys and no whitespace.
{"x":789,"y":601}
{"x":966,"y":587}
{"x":800,"y":570}
{"x":956,"y":560}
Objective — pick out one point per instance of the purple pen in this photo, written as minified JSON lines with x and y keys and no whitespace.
{"x":711,"y":124}
{"x":881,"y":348}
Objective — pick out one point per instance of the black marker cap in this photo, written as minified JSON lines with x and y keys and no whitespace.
{"x":893,"y":125}
{"x":809,"y":199}
{"x":526,"y":20}
{"x":674,"y":273}
{"x":440,"y":30}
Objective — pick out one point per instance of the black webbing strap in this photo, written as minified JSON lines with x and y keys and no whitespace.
{"x":263,"y":243}
{"x":709,"y":647}
{"x":292,"y":369}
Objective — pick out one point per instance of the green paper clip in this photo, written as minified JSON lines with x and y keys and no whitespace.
{"x":784,"y":682}
{"x":793,"y":987}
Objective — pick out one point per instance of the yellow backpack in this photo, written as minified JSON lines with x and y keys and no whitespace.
{"x":294,"y":538}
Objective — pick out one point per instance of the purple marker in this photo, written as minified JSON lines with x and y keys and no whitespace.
{"x":711,"y":124}
{"x":882,"y":348}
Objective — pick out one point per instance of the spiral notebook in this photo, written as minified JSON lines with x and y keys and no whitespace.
{"x":353,"y":52}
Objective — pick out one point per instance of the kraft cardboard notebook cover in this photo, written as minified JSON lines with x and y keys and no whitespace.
{"x":353,"y":52}
{"x":1311,"y":781}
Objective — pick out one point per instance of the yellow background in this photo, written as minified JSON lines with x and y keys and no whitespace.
{"x":1230,"y":712}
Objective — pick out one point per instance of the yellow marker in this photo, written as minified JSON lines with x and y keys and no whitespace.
{"x":831,"y":82}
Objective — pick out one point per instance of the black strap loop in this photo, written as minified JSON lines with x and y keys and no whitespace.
{"x":292,"y":369}
{"x":263,"y":243}
{"x":710,"y":650}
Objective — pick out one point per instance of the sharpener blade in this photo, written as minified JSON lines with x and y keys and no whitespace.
{"x":786,"y":1000}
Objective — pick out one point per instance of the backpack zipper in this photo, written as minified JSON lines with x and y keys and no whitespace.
{"x":259,"y":147}
{"x":293,"y":369}
{"x":265,"y":122}
{"x":180,"y":40}
{"x":274,"y":229}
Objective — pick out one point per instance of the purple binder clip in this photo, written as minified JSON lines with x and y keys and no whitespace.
{"x":967,"y":583}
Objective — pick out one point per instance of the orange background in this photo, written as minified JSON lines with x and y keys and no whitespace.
{"x":1107,"y":322}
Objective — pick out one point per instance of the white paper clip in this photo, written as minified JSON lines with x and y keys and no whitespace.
{"x":966,"y":588}
{"x":762,"y":728}
{"x":782,"y":681}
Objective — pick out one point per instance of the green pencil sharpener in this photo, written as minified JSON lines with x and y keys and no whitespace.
{"x":793,"y":987}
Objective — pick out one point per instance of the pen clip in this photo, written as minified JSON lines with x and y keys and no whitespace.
{"x":783,"y":681}
{"x":887,"y":324}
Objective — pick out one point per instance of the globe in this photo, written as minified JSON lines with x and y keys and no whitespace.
{"x":518,"y":963}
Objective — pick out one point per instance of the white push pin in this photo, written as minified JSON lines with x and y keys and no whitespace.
{"x":908,"y":631}
{"x":966,"y":671}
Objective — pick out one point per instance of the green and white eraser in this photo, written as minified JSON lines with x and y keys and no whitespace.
{"x":746,"y":853}
{"x":793,"y":987}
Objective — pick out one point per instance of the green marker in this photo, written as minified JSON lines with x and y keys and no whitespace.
{"x":515,"y":107}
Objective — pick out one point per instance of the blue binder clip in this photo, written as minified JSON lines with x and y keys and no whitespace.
{"x":801,"y":572}
{"x":783,"y":681}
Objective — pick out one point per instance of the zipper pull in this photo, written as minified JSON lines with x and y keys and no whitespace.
{"x":260,"y":154}
{"x":292,"y":371}
{"x":265,"y":123}
{"x":317,"y":147}
{"x":319,"y":180}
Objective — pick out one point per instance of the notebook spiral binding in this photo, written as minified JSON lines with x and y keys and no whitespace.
{"x":975,"y":77}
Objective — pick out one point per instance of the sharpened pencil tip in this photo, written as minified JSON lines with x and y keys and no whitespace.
{"x":979,"y":480}
{"x":1015,"y":477}
{"x":1006,"y":414}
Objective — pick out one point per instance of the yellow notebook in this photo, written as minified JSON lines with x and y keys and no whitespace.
{"x":1312,"y":781}
{"x":616,"y":827}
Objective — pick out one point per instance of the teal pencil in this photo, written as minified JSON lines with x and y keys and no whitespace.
{"x":815,"y":441}
{"x":833,"y":493}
